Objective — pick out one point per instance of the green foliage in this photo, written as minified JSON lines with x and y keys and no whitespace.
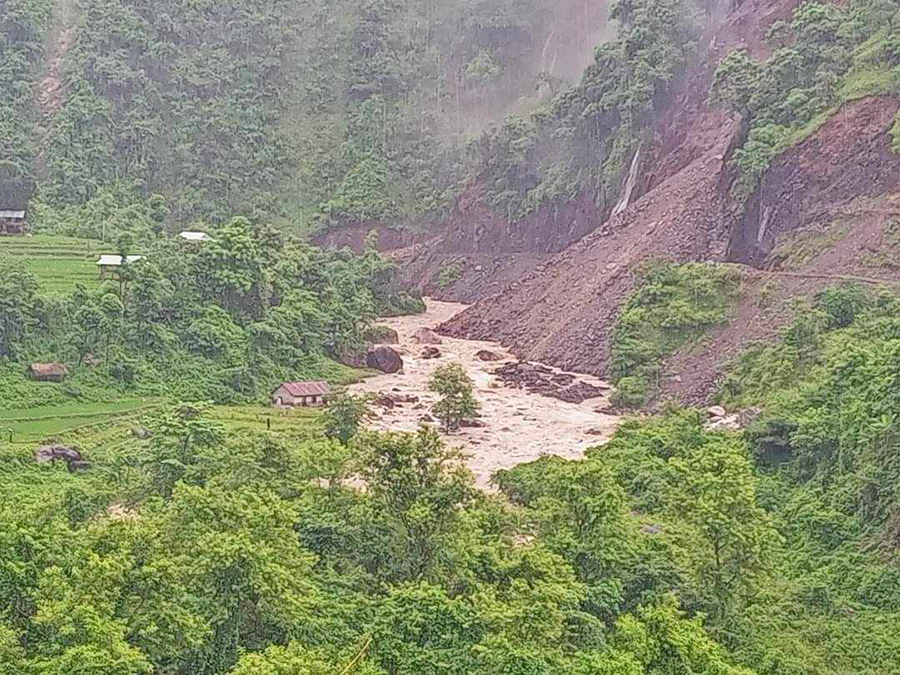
{"x":584,"y":138}
{"x":227,"y":320}
{"x":457,"y":403}
{"x":826,"y":55}
{"x":449,"y":274}
{"x":674,"y":305}
{"x":344,"y":416}
{"x":895,"y":134}
{"x":23,"y":26}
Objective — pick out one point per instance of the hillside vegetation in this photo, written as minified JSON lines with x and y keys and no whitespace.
{"x":205,"y":534}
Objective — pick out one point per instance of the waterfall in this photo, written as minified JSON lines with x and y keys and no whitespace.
{"x":629,"y":184}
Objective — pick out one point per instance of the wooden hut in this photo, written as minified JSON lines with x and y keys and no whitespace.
{"x":13,"y":222}
{"x":47,"y":372}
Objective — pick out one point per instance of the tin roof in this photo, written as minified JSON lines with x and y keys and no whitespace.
{"x":194,"y":236}
{"x":116,"y":260}
{"x":12,"y":215}
{"x":307,"y":388}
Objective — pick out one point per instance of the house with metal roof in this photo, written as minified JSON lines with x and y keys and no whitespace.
{"x":108,"y":262}
{"x":13,"y":222}
{"x":301,"y":394}
{"x":194,"y":236}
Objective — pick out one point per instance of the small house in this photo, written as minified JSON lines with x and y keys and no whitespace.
{"x":12,"y":222}
{"x":301,"y":394}
{"x":47,"y":372}
{"x":114,"y":262}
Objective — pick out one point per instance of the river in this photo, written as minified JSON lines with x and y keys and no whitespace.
{"x":519,"y":426}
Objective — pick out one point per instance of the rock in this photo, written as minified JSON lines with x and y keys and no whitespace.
{"x":716,"y":411}
{"x":50,"y":453}
{"x":386,"y":359}
{"x":595,"y":432}
{"x":384,"y":402}
{"x":79,"y":466}
{"x":652,"y":528}
{"x":472,"y":424}
{"x":580,"y":392}
{"x":382,"y":335}
{"x":141,"y":432}
{"x":487,"y":355}
{"x":431,"y":353}
{"x":426,"y":419}
{"x":426,"y":336}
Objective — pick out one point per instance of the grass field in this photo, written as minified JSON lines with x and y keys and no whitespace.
{"x":58,"y":262}
{"x":31,"y":425}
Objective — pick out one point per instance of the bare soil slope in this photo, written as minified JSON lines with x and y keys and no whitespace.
{"x":564,"y":310}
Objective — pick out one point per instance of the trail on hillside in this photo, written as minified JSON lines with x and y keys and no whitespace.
{"x":519,"y":426}
{"x":59,"y":39}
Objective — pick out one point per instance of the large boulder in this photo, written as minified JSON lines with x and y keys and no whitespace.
{"x":426,"y":336}
{"x":385,"y":359}
{"x":487,"y":355}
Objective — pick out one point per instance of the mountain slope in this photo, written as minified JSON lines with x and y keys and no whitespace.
{"x":564,"y":311}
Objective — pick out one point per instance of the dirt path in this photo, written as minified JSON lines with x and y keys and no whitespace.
{"x":519,"y":427}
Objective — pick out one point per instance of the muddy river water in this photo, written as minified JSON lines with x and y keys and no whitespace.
{"x":519,"y":426}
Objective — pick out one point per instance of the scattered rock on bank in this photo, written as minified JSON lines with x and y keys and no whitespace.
{"x":431,"y":353}
{"x":386,"y":359}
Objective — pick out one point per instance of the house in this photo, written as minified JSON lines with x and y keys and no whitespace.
{"x":47,"y":372}
{"x":194,"y":237}
{"x":13,"y":222}
{"x":108,"y":262}
{"x":301,"y":394}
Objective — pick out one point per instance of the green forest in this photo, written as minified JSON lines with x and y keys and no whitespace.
{"x":207,"y":533}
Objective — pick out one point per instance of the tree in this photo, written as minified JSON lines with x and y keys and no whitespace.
{"x":419,"y":486}
{"x":345,"y":415}
{"x":18,"y":290}
{"x":457,"y":398}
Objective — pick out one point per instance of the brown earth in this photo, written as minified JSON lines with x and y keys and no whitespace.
{"x":563,"y":312}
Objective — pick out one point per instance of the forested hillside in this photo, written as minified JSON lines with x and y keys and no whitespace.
{"x":299,"y":109}
{"x":697,"y":201}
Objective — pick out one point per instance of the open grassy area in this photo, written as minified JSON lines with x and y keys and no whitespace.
{"x":262,"y":418}
{"x":58,"y":262}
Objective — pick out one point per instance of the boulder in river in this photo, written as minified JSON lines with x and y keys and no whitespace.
{"x":385,"y":359}
{"x":426,"y":336}
{"x":487,"y":355}
{"x":431,"y":353}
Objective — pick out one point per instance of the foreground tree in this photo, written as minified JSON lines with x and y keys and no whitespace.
{"x":344,"y":416}
{"x":457,"y":398}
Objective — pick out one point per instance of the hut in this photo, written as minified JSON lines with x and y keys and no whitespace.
{"x":301,"y":394}
{"x":47,"y":372}
{"x":13,"y":222}
{"x":114,"y":262}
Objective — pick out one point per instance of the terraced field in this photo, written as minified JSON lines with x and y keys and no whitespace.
{"x":32,"y":425}
{"x":59,"y":262}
